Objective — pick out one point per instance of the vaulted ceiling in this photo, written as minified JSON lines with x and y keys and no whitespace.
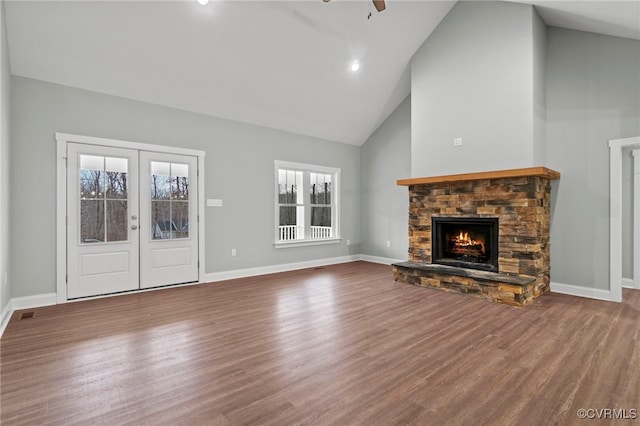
{"x":279,"y":64}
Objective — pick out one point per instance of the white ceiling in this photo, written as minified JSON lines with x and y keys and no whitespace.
{"x":283,"y":65}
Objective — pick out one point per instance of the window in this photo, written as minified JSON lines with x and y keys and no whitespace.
{"x":306,"y":204}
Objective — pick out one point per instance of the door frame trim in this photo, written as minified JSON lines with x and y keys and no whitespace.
{"x":636,"y":218}
{"x":615,"y":214}
{"x":62,"y":139}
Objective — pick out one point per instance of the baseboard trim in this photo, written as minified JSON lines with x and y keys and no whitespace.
{"x":628,"y":283}
{"x":6,"y":316}
{"x":575,"y":290}
{"x":381,"y":260}
{"x":252,"y":272}
{"x":26,"y":302}
{"x":35,"y":301}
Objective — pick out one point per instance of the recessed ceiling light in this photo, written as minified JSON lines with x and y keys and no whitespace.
{"x":203,"y":2}
{"x":355,"y":66}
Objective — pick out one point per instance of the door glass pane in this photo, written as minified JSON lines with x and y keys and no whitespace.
{"x":116,"y":185}
{"x":91,"y":184}
{"x":179,"y":170}
{"x":116,"y":220}
{"x":169,"y":200}
{"x":116,"y":164}
{"x":161,"y":227}
{"x":180,"y":188}
{"x":91,"y":162}
{"x":91,"y":221}
{"x":160,"y":187}
{"x":180,"y":215}
{"x":160,"y":168}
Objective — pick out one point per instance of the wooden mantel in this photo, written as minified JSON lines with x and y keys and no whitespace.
{"x":497,"y":174}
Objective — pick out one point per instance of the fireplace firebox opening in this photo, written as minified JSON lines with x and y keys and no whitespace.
{"x":465,"y":242}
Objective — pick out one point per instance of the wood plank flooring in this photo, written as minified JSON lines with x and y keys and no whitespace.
{"x":341,"y":345}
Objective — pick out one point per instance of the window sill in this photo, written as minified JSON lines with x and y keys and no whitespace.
{"x":303,"y":243}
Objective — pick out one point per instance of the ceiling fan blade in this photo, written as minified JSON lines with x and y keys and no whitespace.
{"x":379,"y":4}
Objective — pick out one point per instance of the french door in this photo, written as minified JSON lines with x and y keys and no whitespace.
{"x":169,"y":234}
{"x":131,"y":220}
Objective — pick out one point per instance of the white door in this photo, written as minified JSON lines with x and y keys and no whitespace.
{"x":102,"y":210}
{"x":169,"y":219}
{"x":131,"y":220}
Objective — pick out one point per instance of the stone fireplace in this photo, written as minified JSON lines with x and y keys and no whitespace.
{"x":484,"y":234}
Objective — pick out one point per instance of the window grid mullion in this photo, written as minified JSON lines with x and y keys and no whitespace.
{"x":306,"y":180}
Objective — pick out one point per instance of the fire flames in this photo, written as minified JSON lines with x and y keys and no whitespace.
{"x":463,"y":242}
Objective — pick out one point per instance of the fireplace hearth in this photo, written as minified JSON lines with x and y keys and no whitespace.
{"x":466,"y":242}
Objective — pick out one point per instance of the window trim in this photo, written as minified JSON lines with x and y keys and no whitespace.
{"x":335,"y":203}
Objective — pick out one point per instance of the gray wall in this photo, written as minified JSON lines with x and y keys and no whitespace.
{"x":5,"y":79}
{"x":385,"y":158}
{"x":539,"y":90}
{"x":239,"y":170}
{"x":593,"y":95}
{"x":474,"y":78}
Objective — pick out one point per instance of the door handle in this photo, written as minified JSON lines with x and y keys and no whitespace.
{"x":134,"y":227}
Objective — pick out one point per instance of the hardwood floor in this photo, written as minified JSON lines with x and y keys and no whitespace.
{"x":343,"y":345}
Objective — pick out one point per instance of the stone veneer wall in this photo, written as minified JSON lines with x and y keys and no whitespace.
{"x":522,"y":205}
